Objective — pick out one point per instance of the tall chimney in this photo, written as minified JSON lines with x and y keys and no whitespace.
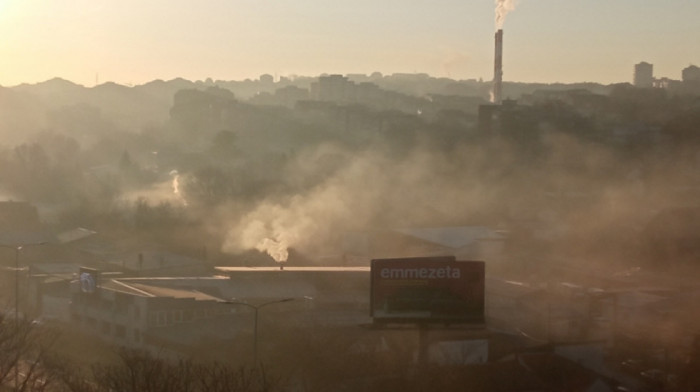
{"x":498,"y":69}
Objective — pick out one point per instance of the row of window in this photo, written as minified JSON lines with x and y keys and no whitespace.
{"x":106,"y":328}
{"x":117,"y":306}
{"x":161,"y":318}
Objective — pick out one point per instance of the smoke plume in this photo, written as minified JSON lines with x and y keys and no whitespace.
{"x":503,"y":7}
{"x":368,"y":190}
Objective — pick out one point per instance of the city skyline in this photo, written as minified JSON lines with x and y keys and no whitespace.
{"x":132,"y":42}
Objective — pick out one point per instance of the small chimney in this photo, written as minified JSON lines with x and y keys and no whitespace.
{"x":497,"y":87}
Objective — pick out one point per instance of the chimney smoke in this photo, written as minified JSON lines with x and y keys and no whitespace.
{"x":503,"y":7}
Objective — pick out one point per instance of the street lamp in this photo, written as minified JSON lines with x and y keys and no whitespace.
{"x":17,"y":249}
{"x":256,"y":308}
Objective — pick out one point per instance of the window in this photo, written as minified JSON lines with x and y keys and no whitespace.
{"x":177,"y":316}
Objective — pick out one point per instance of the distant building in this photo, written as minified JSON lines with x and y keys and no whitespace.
{"x":667,"y":83}
{"x":342,"y":91}
{"x":290,"y":95}
{"x":644,"y":75}
{"x":369,"y":92}
{"x":334,"y":88}
{"x":267,"y":79}
{"x":691,"y":74}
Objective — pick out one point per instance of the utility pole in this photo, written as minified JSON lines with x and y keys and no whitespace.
{"x":256,"y":308}
{"x":18,"y":249}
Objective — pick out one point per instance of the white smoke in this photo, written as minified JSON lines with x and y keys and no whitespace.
{"x":273,"y":227}
{"x":262,"y":231}
{"x":176,"y":181}
{"x":278,"y":250}
{"x":367,"y":188}
{"x":176,"y":186}
{"x":503,"y":7}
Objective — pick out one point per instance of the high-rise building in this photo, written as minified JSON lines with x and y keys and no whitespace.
{"x":644,"y":75}
{"x":691,"y":74}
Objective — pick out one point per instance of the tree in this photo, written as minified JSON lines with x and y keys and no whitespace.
{"x":224,"y":145}
{"x":25,"y":349}
{"x":207,"y":186}
{"x":140,"y":371}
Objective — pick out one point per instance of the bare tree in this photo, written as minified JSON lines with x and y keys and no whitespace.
{"x":140,"y":371}
{"x":25,"y":349}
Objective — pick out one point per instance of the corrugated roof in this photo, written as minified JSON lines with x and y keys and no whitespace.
{"x":159,"y":291}
{"x":293,"y":269}
{"x":74,"y":235}
{"x":55,"y":269}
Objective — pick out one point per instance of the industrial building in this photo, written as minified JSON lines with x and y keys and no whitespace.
{"x":182,"y":314}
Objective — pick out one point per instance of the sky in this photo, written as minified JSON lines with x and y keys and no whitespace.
{"x":133,"y":42}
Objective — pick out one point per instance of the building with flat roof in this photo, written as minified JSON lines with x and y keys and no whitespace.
{"x":333,"y":88}
{"x":691,"y":74}
{"x":180,"y":314}
{"x":643,"y":75}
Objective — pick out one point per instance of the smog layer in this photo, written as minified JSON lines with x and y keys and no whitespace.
{"x":573,"y":174}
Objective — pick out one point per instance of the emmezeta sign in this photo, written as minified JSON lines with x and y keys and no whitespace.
{"x":446,"y":272}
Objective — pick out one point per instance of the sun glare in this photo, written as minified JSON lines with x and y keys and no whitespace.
{"x":3,"y":4}
{"x":5,"y":8}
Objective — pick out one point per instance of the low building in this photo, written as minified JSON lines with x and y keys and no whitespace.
{"x":183,"y":314}
{"x":130,"y":312}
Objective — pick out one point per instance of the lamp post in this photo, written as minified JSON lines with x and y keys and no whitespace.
{"x":256,"y":308}
{"x":17,"y":249}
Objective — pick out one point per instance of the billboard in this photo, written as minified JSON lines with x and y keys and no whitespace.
{"x":427,"y":289}
{"x":89,"y":280}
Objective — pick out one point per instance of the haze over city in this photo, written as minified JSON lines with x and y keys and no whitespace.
{"x":133,"y":42}
{"x":274,"y":196}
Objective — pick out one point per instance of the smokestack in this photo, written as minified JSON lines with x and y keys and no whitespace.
{"x":498,"y":69}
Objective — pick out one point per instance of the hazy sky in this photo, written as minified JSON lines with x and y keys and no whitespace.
{"x":136,"y":41}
